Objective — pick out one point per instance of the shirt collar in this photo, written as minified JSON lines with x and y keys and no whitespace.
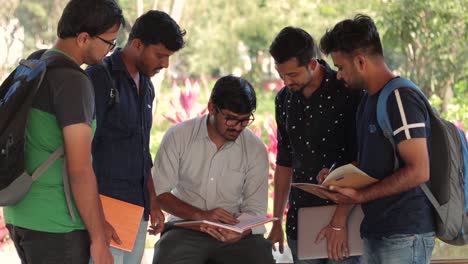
{"x":328,"y":71}
{"x":116,"y":62}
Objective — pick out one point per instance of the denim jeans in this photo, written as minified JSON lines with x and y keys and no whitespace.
{"x":399,"y":249}
{"x":293,"y":246}
{"x":125,"y":257}
{"x":51,"y":248}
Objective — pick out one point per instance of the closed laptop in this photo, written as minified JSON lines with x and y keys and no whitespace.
{"x":311,"y":221}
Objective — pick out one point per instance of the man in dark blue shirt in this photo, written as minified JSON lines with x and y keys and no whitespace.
{"x":398,"y":225}
{"x":124,"y":98}
{"x":316,"y":125}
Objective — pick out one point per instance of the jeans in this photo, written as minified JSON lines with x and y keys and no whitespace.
{"x":51,"y":248}
{"x":134,"y":257}
{"x":293,"y":246}
{"x":399,"y":249}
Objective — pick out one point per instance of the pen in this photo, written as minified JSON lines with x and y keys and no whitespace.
{"x":332,"y":167}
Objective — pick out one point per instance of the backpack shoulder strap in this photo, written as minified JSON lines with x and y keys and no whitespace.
{"x":382,"y":115}
{"x":114,"y":92}
{"x":385,"y":125}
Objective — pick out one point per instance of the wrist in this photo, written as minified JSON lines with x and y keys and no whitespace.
{"x":199,"y":215}
{"x":336,"y":228}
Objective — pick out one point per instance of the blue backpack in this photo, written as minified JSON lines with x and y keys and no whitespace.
{"x":447,"y":189}
{"x":17,"y":94}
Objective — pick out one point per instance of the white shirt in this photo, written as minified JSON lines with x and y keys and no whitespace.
{"x":234,"y":178}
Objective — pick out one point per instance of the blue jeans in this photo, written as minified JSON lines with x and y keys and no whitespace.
{"x":124,"y":257}
{"x":293,"y":246}
{"x":399,"y":249}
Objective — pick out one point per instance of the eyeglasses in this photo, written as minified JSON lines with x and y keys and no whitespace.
{"x":111,"y":44}
{"x":232,"y":122}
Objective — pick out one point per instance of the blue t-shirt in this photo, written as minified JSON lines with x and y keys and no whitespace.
{"x":408,"y":212}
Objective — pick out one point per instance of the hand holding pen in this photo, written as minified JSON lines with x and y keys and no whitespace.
{"x":324,"y":172}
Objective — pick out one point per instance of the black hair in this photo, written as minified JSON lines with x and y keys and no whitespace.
{"x":291,"y":43}
{"x":234,"y":94}
{"x":156,"y":27}
{"x":92,"y":16}
{"x":353,"y":35}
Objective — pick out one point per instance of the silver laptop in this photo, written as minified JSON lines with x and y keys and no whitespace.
{"x":312,"y":219}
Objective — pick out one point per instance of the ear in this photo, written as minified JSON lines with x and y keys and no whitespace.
{"x":211,"y":108}
{"x":82,"y":39}
{"x":137,"y":44}
{"x":360,"y":61}
{"x":313,"y":64}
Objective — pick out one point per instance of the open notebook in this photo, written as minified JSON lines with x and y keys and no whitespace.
{"x":246,"y":222}
{"x":312,"y":219}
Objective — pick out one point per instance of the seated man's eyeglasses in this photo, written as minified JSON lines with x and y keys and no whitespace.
{"x":111,"y":44}
{"x":232,"y":122}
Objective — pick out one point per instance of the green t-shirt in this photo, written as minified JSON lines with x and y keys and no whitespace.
{"x":66,"y":98}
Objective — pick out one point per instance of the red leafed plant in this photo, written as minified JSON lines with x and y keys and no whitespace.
{"x":3,"y":229}
{"x":188,"y":106}
{"x":270,"y":127}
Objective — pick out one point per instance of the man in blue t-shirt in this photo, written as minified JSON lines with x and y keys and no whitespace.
{"x":398,"y":226}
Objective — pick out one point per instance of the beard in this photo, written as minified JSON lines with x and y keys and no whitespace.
{"x":300,"y":87}
{"x":357,"y":84}
{"x":146,"y":70}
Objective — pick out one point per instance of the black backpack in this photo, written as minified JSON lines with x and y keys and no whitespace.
{"x":447,"y":189}
{"x":17,"y":94}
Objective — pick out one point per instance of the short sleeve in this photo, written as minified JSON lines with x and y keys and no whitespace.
{"x":408,"y":115}
{"x":73,"y":98}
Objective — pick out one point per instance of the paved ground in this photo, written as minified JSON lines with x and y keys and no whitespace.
{"x":10,"y":257}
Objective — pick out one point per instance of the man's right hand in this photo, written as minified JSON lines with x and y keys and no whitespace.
{"x":111,"y":234}
{"x":323,"y":173}
{"x":100,"y":253}
{"x":277,"y":236}
{"x":219,"y":215}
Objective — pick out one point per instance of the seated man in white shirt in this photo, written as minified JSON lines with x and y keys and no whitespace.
{"x":212,"y":168}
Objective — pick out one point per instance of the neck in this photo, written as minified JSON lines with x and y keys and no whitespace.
{"x":69,"y":47}
{"x":382,"y":75}
{"x":129,"y":60}
{"x":317,"y":77}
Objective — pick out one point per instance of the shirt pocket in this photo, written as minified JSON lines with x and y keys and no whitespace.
{"x":230,"y":185}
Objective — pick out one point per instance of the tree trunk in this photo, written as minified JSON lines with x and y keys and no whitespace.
{"x":448,"y":92}
{"x":139,"y":7}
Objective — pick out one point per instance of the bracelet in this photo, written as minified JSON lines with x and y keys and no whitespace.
{"x":335,"y":228}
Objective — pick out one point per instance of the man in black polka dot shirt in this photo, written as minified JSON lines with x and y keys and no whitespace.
{"x":316,"y":128}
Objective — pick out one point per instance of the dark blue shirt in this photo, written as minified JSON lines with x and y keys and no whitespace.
{"x":314,"y":133}
{"x":121,"y":156}
{"x":408,"y":212}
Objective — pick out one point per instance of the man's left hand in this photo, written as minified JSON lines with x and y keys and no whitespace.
{"x":223,"y":235}
{"x":342,"y":195}
{"x":337,"y":246}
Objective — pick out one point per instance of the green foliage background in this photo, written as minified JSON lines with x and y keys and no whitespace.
{"x":424,"y":40}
